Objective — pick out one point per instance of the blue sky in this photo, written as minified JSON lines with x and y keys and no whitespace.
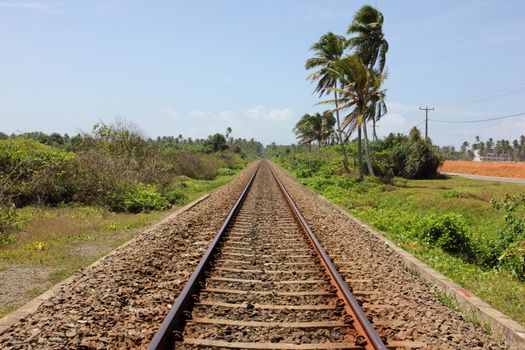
{"x":194,"y":68}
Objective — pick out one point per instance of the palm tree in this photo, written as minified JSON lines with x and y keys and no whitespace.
{"x":315,"y":127}
{"x":370,"y":44}
{"x":359,"y":87}
{"x":328,"y":50}
{"x":303,"y":131}
{"x":368,"y":38}
{"x":376,"y":110}
{"x":327,"y":127}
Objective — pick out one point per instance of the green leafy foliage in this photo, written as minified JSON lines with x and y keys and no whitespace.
{"x":176,"y":196}
{"x":9,"y":223}
{"x":509,"y":247}
{"x":139,"y":197}
{"x":306,"y":164}
{"x":448,"y":232}
{"x":110,"y":164}
{"x":412,"y":158}
{"x":34,"y":172}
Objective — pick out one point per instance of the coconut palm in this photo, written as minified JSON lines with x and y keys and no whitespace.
{"x":376,"y":110}
{"x":304,"y":131}
{"x":328,"y":50}
{"x":315,"y":127}
{"x":359,"y":87}
{"x":368,"y":38}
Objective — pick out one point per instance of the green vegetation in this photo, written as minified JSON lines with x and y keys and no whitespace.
{"x":60,"y":240}
{"x":471,"y":231}
{"x":66,"y":201}
{"x":115,"y":167}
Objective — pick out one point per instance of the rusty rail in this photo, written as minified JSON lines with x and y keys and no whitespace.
{"x":164,"y":338}
{"x":362,"y":324}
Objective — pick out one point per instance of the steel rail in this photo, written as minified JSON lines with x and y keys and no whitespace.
{"x":363,"y":325}
{"x":164,"y":338}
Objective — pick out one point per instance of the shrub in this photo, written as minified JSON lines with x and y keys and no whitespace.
{"x":306,"y":164}
{"x":415,"y":160}
{"x":36,"y":171}
{"x":176,"y":197}
{"x":446,"y":231}
{"x":196,"y":166}
{"x":9,"y":223}
{"x":508,"y":250}
{"x":513,"y":259}
{"x":138,"y":197}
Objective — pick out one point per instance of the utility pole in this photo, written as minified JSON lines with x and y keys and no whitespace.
{"x":426,"y":109}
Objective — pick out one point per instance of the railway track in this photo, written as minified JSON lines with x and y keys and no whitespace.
{"x":266,"y":283}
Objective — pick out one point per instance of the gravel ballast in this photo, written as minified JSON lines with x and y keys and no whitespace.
{"x":120,"y":302}
{"x":395,"y":294}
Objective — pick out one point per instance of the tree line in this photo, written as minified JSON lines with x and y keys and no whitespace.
{"x":514,"y":150}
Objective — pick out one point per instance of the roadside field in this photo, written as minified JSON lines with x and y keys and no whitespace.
{"x":56,"y":242}
{"x":503,"y":169}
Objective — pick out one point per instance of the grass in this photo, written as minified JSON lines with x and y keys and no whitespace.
{"x":65,"y":239}
{"x":394,"y":209}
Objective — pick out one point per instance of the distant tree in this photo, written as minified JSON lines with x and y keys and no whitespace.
{"x":216,"y":143}
{"x":464,"y":147}
{"x":414,"y":135}
{"x":315,"y":127}
{"x":3,"y":136}
{"x":56,"y":139}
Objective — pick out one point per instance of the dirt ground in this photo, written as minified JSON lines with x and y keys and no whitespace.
{"x":504,"y":169}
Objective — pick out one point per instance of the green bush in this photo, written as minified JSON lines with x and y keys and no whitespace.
{"x":306,"y":164}
{"x":508,"y":250}
{"x":513,"y":259}
{"x":176,"y":197}
{"x":9,"y":223}
{"x":415,"y":160}
{"x":138,"y":197}
{"x":447,"y":231}
{"x":36,"y":170}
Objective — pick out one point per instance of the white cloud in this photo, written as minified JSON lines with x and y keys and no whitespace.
{"x":198,"y":114}
{"x":260,"y":113}
{"x":260,"y":123}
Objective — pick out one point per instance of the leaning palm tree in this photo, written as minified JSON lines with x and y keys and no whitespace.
{"x":327,"y":127}
{"x":315,"y":127}
{"x":368,"y":40}
{"x":359,"y":87}
{"x":376,"y":109}
{"x":328,"y":50}
{"x":304,"y":131}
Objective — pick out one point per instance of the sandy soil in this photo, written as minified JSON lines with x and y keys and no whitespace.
{"x":504,"y":169}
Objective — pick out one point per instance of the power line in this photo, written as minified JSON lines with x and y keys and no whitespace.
{"x":510,"y":90}
{"x":479,"y":120}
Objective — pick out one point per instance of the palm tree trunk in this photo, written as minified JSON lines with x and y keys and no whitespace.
{"x":374,"y":135}
{"x":367,"y":151}
{"x":359,"y":153}
{"x":340,"y":134}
